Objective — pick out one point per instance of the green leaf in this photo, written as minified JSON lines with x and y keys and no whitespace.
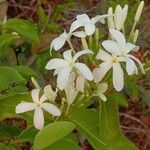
{"x":3,"y":147}
{"x":52,"y":133}
{"x":121,"y":99}
{"x":9,"y":130}
{"x":24,"y":28}
{"x":133,"y":89}
{"x":5,"y":41}
{"x":9,"y":75}
{"x":8,"y":104}
{"x":108,"y":118}
{"x":26,"y":72}
{"x":28,"y":134}
{"x":87,"y":123}
{"x":109,"y":126}
{"x":65,"y":143}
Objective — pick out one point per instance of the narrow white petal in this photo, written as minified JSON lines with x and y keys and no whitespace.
{"x":140,"y":64}
{"x":38,"y":118}
{"x":112,"y":47}
{"x":83,"y":18}
{"x":102,"y":87}
{"x":50,"y":93}
{"x":118,"y":77}
{"x":130,"y":66}
{"x":102,"y":55}
{"x":67,"y":55}
{"x":124,"y":15}
{"x":25,"y":106}
{"x":35,"y":95}
{"x":76,"y":24}
{"x":100,"y":72}
{"x":131,"y":47}
{"x":43,"y":98}
{"x":52,"y":109}
{"x":56,"y":63}
{"x":63,"y":77}
{"x":80,"y":53}
{"x":89,"y":28}
{"x":119,"y":37}
{"x":84,"y":70}
{"x":79,"y":34}
{"x":102,"y":97}
{"x":58,"y":43}
{"x":100,"y":18}
{"x":118,"y":17}
{"x":57,"y":71}
{"x":80,"y":81}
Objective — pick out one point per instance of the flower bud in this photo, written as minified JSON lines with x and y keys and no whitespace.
{"x":139,"y":11}
{"x":135,"y":37}
{"x":120,"y":16}
{"x":110,"y":19}
{"x":35,"y":83}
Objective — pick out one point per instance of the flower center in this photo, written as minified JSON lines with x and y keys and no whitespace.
{"x":39,"y":105}
{"x":114,"y":59}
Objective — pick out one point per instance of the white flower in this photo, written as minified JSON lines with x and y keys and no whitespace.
{"x":38,"y":105}
{"x":58,"y":42}
{"x":63,"y":67}
{"x":110,"y":61}
{"x":101,"y":89}
{"x":50,"y":93}
{"x":88,"y":24}
{"x":119,"y":18}
{"x":121,"y":48}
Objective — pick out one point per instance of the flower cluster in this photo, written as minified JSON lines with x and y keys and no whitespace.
{"x":85,"y":75}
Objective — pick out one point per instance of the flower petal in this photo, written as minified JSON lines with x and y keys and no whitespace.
{"x":80,"y":53}
{"x":102,"y":97}
{"x":80,"y":81}
{"x":131,"y":47}
{"x":112,"y":47}
{"x":101,"y":71}
{"x":118,"y":77}
{"x":58,"y":43}
{"x":79,"y":34}
{"x":68,"y":55}
{"x":84,"y":70}
{"x":119,"y":37}
{"x":140,"y":64}
{"x":89,"y":28}
{"x":130,"y":66}
{"x":56,"y":63}
{"x":50,"y":93}
{"x":25,"y":106}
{"x":62,"y":78}
{"x":102,"y":87}
{"x":35,"y":95}
{"x":76,"y":24}
{"x":100,"y":18}
{"x":38,"y":118}
{"x":102,"y":55}
{"x":83,"y":18}
{"x":52,"y":109}
{"x":43,"y":98}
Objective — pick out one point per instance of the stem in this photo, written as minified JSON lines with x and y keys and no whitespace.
{"x":84,"y":43}
{"x":70,"y":45}
{"x":133,"y":28}
{"x":67,"y":110}
{"x":90,"y":41}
